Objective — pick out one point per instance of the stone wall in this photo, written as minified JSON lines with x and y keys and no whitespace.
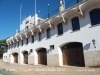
{"x":53,"y":60}
{"x":92,"y":58}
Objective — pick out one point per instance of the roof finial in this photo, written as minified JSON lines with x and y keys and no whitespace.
{"x":61,"y":7}
{"x":61,"y":2}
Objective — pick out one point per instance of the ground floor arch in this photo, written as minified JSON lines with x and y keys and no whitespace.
{"x":25,"y":54}
{"x":15,"y":55}
{"x":72,"y":54}
{"x":42,"y":56}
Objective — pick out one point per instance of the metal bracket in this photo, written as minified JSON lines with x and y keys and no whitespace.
{"x":41,"y":29}
{"x":80,"y":12}
{"x":21,"y":37}
{"x":32,"y":32}
{"x":10,"y":42}
{"x":64,"y":20}
{"x":13,"y":40}
{"x":16,"y":39}
{"x":25,"y":35}
{"x":51,"y":25}
{"x":7,"y":43}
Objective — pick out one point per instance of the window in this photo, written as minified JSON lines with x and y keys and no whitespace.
{"x":32,"y":39}
{"x":60,"y":29}
{"x":22,"y":42}
{"x":26,"y":28}
{"x":27,"y":22}
{"x":75,"y":24}
{"x":14,"y":45}
{"x":8,"y":46}
{"x":18,"y":44}
{"x":40,"y":36}
{"x":51,"y":47}
{"x":11,"y":46}
{"x":48,"y":33}
{"x":31,"y":50}
{"x":95,"y":16}
{"x":26,"y":40}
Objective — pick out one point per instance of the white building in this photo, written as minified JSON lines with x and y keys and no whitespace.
{"x":71,"y":37}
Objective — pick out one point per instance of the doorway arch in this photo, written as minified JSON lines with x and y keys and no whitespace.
{"x":25,"y":54}
{"x":72,"y":54}
{"x":15,"y":55}
{"x":42,"y":56}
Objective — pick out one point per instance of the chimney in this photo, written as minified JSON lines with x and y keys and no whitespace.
{"x":61,"y":7}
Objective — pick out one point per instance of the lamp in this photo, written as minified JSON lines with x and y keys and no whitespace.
{"x":38,"y":12}
{"x":93,"y":41}
{"x":51,"y":47}
{"x":48,"y":10}
{"x":31,"y":50}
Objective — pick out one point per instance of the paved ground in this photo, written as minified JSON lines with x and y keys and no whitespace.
{"x":47,"y":70}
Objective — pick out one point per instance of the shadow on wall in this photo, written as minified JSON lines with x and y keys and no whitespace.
{"x":87,"y":46}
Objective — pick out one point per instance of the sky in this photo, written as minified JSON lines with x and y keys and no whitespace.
{"x":10,"y":13}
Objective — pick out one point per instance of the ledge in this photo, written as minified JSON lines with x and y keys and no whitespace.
{"x":48,"y":38}
{"x":39,"y":40}
{"x":94,"y":25}
{"x":75,"y":31}
{"x":59,"y":35}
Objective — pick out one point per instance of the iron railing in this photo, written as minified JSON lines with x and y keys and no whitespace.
{"x":67,"y":5}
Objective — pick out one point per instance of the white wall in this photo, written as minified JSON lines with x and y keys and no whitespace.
{"x":85,"y":35}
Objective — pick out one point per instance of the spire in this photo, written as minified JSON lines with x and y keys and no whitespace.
{"x":61,"y":7}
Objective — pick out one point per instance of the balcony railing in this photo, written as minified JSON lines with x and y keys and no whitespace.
{"x":67,"y":5}
{"x":71,"y":3}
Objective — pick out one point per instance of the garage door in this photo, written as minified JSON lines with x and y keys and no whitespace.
{"x":73,"y":56}
{"x":42,"y":56}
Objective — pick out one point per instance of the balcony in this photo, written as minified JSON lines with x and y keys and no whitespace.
{"x":45,"y":21}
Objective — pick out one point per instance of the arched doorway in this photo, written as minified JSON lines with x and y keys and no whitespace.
{"x":73,"y":54}
{"x":25,"y":57}
{"x":15,"y":55}
{"x":42,"y":56}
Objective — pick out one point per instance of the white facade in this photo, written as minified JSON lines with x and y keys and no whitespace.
{"x":85,"y":36}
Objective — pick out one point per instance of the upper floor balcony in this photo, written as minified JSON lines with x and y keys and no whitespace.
{"x":62,"y":15}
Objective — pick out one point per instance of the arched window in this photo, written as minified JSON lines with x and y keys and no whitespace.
{"x":95,"y":16}
{"x":75,"y":23}
{"x":60,"y":29}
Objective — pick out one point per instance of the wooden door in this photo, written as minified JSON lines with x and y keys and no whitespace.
{"x":73,"y":57}
{"x":42,"y":57}
{"x":66,"y":56}
{"x":80,"y":57}
{"x":26,"y":58}
{"x":16,"y":58}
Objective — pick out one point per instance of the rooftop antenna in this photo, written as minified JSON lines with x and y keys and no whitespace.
{"x":20,"y":15}
{"x":64,"y":3}
{"x":35,"y":13}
